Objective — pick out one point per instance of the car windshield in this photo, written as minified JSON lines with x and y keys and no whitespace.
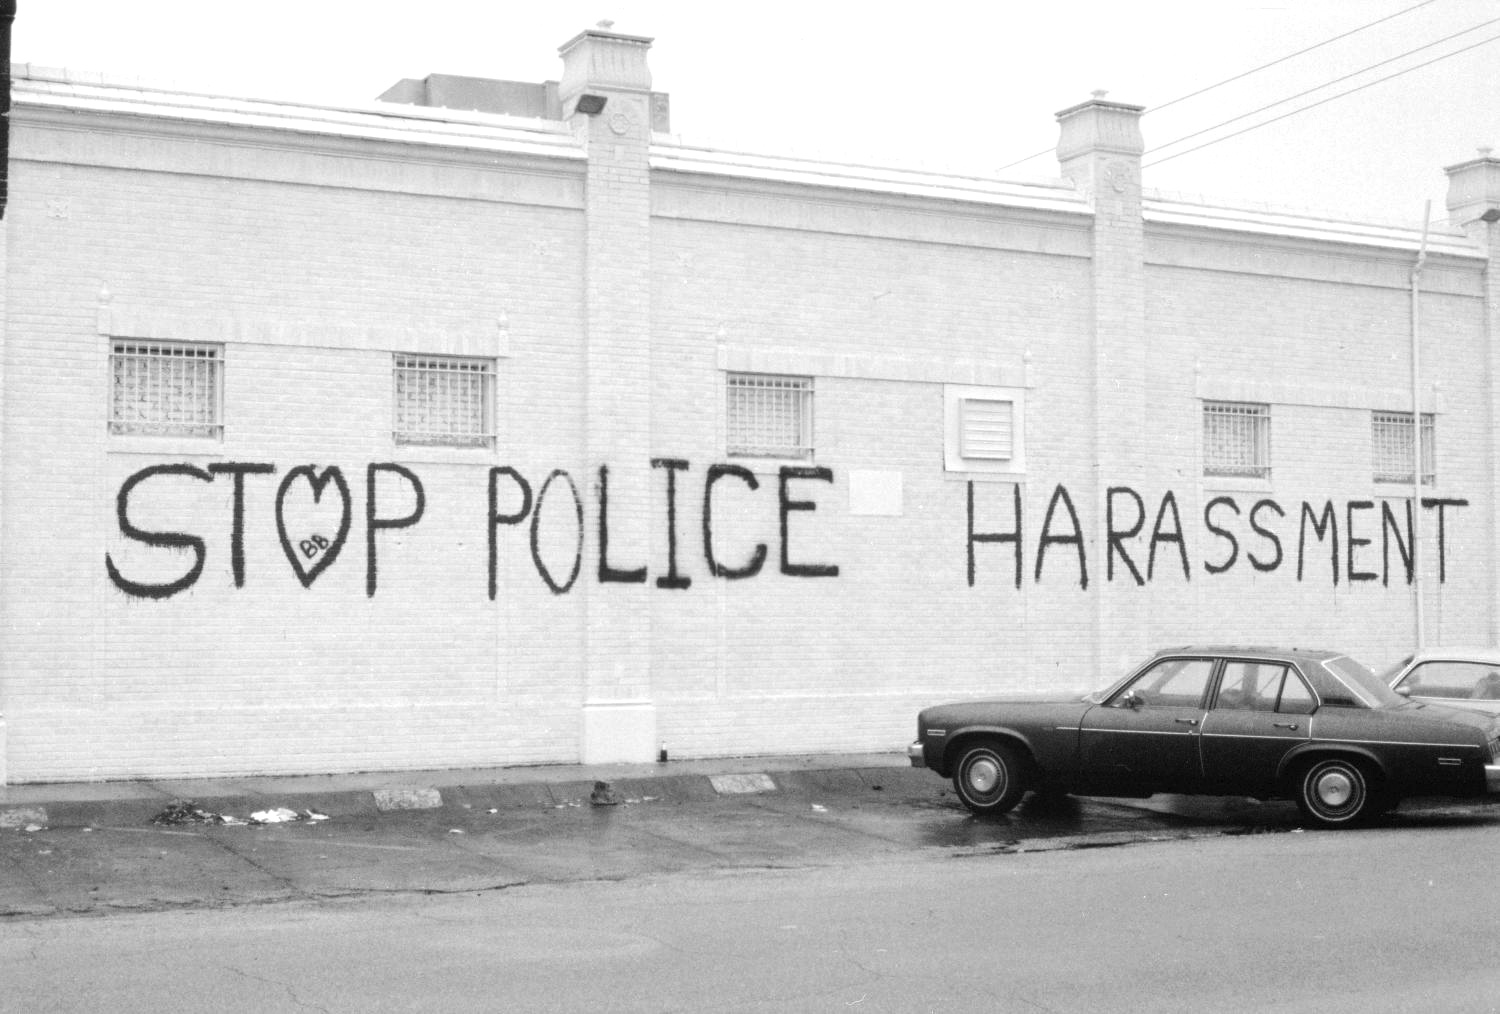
{"x":1369,"y":689}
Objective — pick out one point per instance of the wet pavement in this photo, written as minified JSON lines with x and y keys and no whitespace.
{"x":142,"y":846}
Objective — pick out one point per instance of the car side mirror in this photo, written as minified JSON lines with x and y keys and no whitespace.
{"x":1404,"y":691}
{"x":1130,"y":699}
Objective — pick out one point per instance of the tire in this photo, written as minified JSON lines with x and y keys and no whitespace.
{"x":989,"y":778}
{"x":1335,"y":792}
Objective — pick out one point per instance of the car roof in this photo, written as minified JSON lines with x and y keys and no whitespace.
{"x":1458,"y":653}
{"x":1309,"y":654}
{"x":1326,"y":682}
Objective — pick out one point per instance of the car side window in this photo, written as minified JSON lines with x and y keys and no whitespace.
{"x":1455,"y":680}
{"x":1296,"y":699}
{"x":1170,"y":683}
{"x":1250,"y":686}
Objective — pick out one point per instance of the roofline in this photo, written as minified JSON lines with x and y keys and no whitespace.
{"x":60,"y":88}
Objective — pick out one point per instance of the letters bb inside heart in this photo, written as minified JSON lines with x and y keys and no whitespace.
{"x":312,"y":525}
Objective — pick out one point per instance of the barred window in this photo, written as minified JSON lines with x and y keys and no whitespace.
{"x":1390,"y":440}
{"x":444,"y":401}
{"x":162,"y":388}
{"x":1237,"y":439}
{"x":769,"y":416}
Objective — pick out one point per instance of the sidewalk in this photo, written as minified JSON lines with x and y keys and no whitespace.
{"x":81,"y":804}
{"x":154,"y":845}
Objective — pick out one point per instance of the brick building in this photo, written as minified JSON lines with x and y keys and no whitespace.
{"x":412,"y":436}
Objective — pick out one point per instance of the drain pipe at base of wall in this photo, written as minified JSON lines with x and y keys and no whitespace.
{"x":1416,"y":431}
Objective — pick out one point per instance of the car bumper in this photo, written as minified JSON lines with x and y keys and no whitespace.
{"x":918,"y":757}
{"x":1492,"y":777}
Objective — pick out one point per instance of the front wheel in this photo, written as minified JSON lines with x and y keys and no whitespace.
{"x":1334,"y":792}
{"x":988,"y":778}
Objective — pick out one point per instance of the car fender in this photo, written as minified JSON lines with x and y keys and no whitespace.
{"x":949,"y":753}
{"x":1303,"y":751}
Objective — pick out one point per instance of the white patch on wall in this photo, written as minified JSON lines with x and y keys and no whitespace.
{"x":875,"y":493}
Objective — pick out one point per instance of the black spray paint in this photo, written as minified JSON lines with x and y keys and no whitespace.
{"x":1347,"y":531}
{"x":758,"y":555}
{"x":672,"y":579}
{"x":536,"y":519}
{"x":1350,"y":550}
{"x":1073,"y":538}
{"x":313,"y":546}
{"x":788,"y":505}
{"x":165,"y":540}
{"x":374,"y":523}
{"x":237,"y":530}
{"x":607,"y":573}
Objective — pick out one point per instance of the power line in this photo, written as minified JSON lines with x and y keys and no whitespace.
{"x":1325,"y":84}
{"x":1314,"y":105}
{"x":1289,"y":56}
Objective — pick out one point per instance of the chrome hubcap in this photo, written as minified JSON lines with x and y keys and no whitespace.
{"x":984,"y":775}
{"x":1335,"y":789}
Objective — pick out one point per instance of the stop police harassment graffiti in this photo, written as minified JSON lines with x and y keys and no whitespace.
{"x":1258,"y":537}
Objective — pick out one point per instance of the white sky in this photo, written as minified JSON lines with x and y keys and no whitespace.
{"x":963,"y":86}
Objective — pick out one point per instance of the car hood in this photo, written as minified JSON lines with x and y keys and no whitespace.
{"x":1481,"y":716}
{"x":969,"y":711}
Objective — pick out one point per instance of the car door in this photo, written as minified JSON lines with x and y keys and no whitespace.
{"x":1261,"y":711}
{"x":1144,"y":737}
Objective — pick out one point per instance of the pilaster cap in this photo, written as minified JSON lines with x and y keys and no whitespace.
{"x":598,"y":58}
{"x":1099,"y":125}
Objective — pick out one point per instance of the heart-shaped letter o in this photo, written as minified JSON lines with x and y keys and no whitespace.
{"x":313,"y":551}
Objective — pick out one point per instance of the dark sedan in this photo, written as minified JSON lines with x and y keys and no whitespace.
{"x":1313,"y":726}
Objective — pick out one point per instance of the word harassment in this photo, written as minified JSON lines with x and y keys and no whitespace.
{"x":1268,"y":529}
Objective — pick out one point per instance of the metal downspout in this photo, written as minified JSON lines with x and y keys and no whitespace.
{"x":7,"y":18}
{"x":1416,"y":430}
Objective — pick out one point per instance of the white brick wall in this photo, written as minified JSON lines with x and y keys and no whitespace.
{"x":311,"y":282}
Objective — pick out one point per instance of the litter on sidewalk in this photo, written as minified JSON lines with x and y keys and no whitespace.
{"x":188,"y":812}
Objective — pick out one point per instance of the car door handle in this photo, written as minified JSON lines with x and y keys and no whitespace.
{"x":1185,"y":721}
{"x":1285,"y":725}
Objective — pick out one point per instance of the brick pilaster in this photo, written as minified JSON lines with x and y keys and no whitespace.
{"x":619,"y":719}
{"x":1099,"y":149}
{"x":1474,"y":205}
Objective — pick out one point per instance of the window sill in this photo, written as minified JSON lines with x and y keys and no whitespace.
{"x":1402,"y":490}
{"x":203,"y":447}
{"x":1017,"y":475}
{"x":768,"y":466}
{"x":440,"y":455}
{"x":1235,"y":484}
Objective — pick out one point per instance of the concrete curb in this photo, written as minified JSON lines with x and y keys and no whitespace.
{"x":366,"y":795}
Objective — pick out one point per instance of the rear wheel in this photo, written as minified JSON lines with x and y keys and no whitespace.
{"x":989,"y":777}
{"x":1335,"y":792}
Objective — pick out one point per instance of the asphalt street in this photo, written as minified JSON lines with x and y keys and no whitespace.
{"x":1218,"y":918}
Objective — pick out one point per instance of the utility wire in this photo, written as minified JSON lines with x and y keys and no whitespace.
{"x":1256,"y":70}
{"x":1314,"y":105}
{"x":1290,"y":56}
{"x":1325,"y":84}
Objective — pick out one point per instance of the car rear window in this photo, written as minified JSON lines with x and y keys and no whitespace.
{"x":1366,"y":689}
